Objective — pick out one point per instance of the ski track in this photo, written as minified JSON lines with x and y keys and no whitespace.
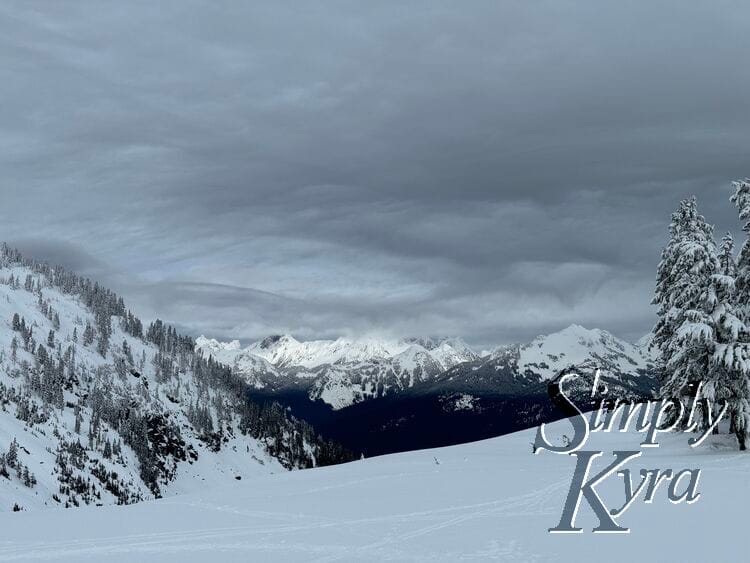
{"x":531,"y":503}
{"x":257,"y":537}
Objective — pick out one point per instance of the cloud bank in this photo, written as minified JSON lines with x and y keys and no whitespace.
{"x":492,"y":170}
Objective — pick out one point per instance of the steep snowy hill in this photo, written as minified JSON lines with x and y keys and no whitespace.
{"x":97,"y":409}
{"x":486,"y":501}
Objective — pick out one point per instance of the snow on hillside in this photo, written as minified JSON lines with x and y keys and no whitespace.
{"x":342,"y":385}
{"x":39,"y":449}
{"x":254,"y":368}
{"x":489,"y":500}
{"x":287,"y":351}
{"x":94,"y":409}
{"x":344,"y":371}
{"x":547,"y":355}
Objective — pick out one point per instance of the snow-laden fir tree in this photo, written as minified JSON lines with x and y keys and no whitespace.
{"x":741,"y":381}
{"x":728,"y":377}
{"x":741,"y":200}
{"x":685,"y":331}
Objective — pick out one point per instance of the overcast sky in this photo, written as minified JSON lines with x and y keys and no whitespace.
{"x":492,"y":170}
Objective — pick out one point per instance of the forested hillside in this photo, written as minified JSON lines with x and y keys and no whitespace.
{"x":97,"y":408}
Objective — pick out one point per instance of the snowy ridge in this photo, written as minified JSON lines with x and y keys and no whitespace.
{"x":95,"y":409}
{"x":286,"y":351}
{"x":255,"y":369}
{"x":343,"y":371}
{"x":547,"y":355}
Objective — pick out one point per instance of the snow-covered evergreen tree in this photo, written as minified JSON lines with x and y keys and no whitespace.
{"x":729,"y":378}
{"x":727,"y":261}
{"x":685,"y":332}
{"x":740,"y":382}
{"x":741,"y":200}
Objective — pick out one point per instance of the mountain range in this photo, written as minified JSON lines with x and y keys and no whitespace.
{"x":340,"y":372}
{"x":380,"y":396}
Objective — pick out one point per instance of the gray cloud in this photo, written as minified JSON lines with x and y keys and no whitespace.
{"x":494,"y":170}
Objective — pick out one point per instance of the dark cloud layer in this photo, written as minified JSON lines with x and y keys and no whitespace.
{"x":487,"y":169}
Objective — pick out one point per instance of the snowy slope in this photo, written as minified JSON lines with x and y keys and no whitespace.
{"x":118,"y":419}
{"x":287,"y":351}
{"x":256,"y":369}
{"x":489,"y":500}
{"x":344,"y":384}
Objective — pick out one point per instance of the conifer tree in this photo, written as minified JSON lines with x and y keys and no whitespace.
{"x":685,"y":332}
{"x":88,"y":334}
{"x":728,"y":377}
{"x":740,"y":377}
{"x":11,"y":457}
{"x":741,"y":200}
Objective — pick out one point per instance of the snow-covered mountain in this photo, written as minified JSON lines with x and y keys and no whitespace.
{"x":256,"y":370}
{"x":345,"y":372}
{"x":340,"y":372}
{"x":520,"y":369}
{"x":286,"y":351}
{"x":95,"y":408}
{"x":547,"y":355}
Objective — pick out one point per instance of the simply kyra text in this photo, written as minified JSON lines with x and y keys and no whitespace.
{"x":651,"y":418}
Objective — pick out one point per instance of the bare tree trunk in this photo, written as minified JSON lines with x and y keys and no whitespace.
{"x":704,"y":412}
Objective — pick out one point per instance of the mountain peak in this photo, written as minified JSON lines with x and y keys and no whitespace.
{"x":204,"y":343}
{"x":276,"y":339}
{"x":581,"y":330}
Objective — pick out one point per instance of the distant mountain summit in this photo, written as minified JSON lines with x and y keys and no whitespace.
{"x":547,"y":355}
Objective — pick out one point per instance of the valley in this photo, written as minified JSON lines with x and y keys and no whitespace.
{"x":365,"y":395}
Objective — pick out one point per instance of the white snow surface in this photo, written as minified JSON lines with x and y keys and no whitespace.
{"x":488,"y":500}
